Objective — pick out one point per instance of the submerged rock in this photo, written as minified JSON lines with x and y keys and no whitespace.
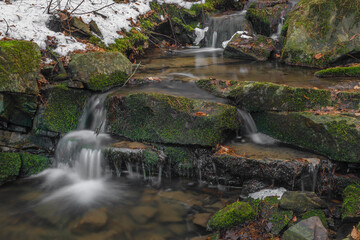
{"x":170,"y":119}
{"x":252,"y":47}
{"x":351,"y":206}
{"x":308,"y":229}
{"x":301,"y":202}
{"x":331,"y":135}
{"x":100,"y":71}
{"x":321,"y":33}
{"x":93,"y":221}
{"x":201,"y":219}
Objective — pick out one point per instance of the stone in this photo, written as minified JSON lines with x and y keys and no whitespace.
{"x":251,"y":47}
{"x":351,"y":205}
{"x":142,"y":214}
{"x":99,"y":71}
{"x":231,"y":215}
{"x":170,"y":213}
{"x":308,"y":229}
{"x":10,"y":164}
{"x":201,"y":219}
{"x":33,"y":164}
{"x":94,"y":28}
{"x":19,"y":67}
{"x":185,"y":198}
{"x":352,"y":71}
{"x":301,"y":202}
{"x":81,"y":28}
{"x":320,"y":33}
{"x":93,"y":221}
{"x":336,"y":136}
{"x":169,"y":119}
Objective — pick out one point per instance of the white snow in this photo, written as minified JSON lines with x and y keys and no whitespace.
{"x":200,"y":34}
{"x":268,"y":193}
{"x":243,"y":34}
{"x":26,"y":19}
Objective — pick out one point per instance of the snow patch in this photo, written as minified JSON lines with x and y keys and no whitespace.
{"x":243,"y":34}
{"x":200,"y":34}
{"x":278,"y":192}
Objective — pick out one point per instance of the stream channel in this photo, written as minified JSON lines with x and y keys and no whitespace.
{"x":80,"y":199}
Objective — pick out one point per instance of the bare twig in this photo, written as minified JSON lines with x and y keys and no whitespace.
{"x":7,"y":27}
{"x":48,"y":7}
{"x":77,"y":6}
{"x":97,"y":9}
{"x":132,"y":74}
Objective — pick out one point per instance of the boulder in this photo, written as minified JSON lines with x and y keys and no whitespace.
{"x":351,"y":206}
{"x":61,"y":110}
{"x":93,"y":221}
{"x":169,"y":119}
{"x":19,"y":67}
{"x":10,"y":164}
{"x":322,"y":32}
{"x":301,"y":202}
{"x":201,"y":219}
{"x":308,"y":229}
{"x":353,"y":71}
{"x":33,"y":164}
{"x":316,"y":212}
{"x":252,"y":47}
{"x":336,"y":136}
{"x":100,"y":71}
{"x":231,"y":215}
{"x":142,"y":214}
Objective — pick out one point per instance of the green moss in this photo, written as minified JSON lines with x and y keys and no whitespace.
{"x":231,"y":215}
{"x":130,"y":43}
{"x":316,"y":212}
{"x":179,"y":158}
{"x":279,"y":220}
{"x":351,"y":205}
{"x":32,"y":164}
{"x":98,"y":42}
{"x":102,"y":82}
{"x":151,"y":158}
{"x":339,"y":72}
{"x":260,"y":20}
{"x":10,"y":164}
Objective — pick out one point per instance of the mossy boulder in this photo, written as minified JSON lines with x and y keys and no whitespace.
{"x":322,"y":32}
{"x":339,"y":72}
{"x":61,"y":110}
{"x":10,"y":164}
{"x":336,"y":136}
{"x":33,"y":164}
{"x":306,"y":230}
{"x":231,"y":215}
{"x":252,"y":47}
{"x":316,"y":212}
{"x":100,"y":71}
{"x":301,"y":202}
{"x":351,"y":205}
{"x":19,"y":67}
{"x":169,"y":119}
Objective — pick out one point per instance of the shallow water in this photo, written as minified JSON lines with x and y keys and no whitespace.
{"x":204,"y":63}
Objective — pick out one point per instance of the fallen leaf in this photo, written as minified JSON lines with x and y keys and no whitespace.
{"x":355,"y":234}
{"x":318,"y":56}
{"x":200,"y":114}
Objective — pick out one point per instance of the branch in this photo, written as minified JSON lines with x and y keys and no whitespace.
{"x":95,"y":11}
{"x":132,"y":74}
{"x":7,"y":27}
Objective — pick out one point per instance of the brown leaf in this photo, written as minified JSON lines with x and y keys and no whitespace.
{"x":318,"y":56}
{"x":355,"y":234}
{"x":200,"y":114}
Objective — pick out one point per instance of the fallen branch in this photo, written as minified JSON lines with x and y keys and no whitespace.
{"x":7,"y":27}
{"x":95,"y":11}
{"x":132,"y":74}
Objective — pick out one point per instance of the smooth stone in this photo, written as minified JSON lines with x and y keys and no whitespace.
{"x":143,"y":214}
{"x":93,"y":221}
{"x":201,"y":219}
{"x":308,"y":229}
{"x":180,"y":196}
{"x":301,"y":201}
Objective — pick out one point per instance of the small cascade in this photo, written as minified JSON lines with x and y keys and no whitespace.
{"x":276,"y":35}
{"x":222,"y":28}
{"x":251,"y":131}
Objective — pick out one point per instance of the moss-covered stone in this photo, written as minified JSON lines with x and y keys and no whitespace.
{"x":306,"y":230}
{"x":179,"y":158}
{"x":231,"y":215}
{"x":351,"y":205}
{"x":62,"y":109}
{"x":335,"y":136}
{"x":33,"y":164}
{"x":10,"y":164}
{"x":316,"y":212}
{"x":301,"y":202}
{"x":339,"y":72}
{"x":322,"y":32}
{"x":100,"y":70}
{"x":19,"y":67}
{"x":252,"y":47}
{"x":169,"y":119}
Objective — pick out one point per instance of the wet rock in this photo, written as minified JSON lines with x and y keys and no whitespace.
{"x":170,"y":213}
{"x":186,"y":198}
{"x":301,"y":202}
{"x":93,"y":221}
{"x":351,"y":206}
{"x":169,"y":119}
{"x":352,"y":71}
{"x":307,"y":230}
{"x":251,"y":186}
{"x":19,"y":67}
{"x":316,"y":212}
{"x":336,"y":136}
{"x":33,"y":164}
{"x":10,"y":164}
{"x":178,"y":229}
{"x":230,"y":216}
{"x":81,"y":29}
{"x":99,"y":71}
{"x":201,"y":219}
{"x":143,"y":214}
{"x":315,"y":29}
{"x":252,"y":47}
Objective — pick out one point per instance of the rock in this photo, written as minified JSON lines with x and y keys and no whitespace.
{"x":308,"y":229}
{"x":185,"y":198}
{"x":94,"y":27}
{"x":61,"y":111}
{"x":93,"y":221}
{"x":19,"y":67}
{"x":231,"y":215}
{"x":301,"y":202}
{"x":142,"y":214}
{"x":316,"y":212}
{"x":170,"y":213}
{"x":252,"y":47}
{"x":169,"y":119}
{"x":351,"y":205}
{"x":339,"y":72}
{"x":332,"y":135}
{"x":201,"y":219}
{"x":251,"y":186}
{"x":178,"y":229}
{"x":10,"y":164}
{"x":32,"y":164}
{"x":81,"y":28}
{"x":100,"y":71}
{"x":320,"y":33}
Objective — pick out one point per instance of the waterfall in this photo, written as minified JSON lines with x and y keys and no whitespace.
{"x":251,"y":131}
{"x":276,"y":35}
{"x":222,"y":28}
